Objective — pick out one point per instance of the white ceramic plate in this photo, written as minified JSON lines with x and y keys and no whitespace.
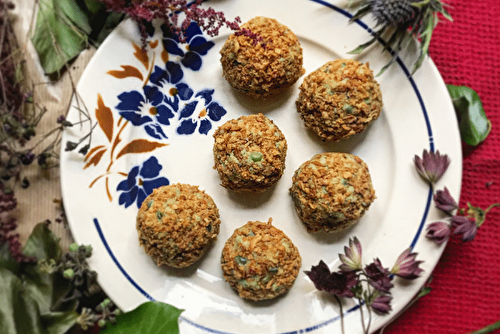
{"x":148,"y":150}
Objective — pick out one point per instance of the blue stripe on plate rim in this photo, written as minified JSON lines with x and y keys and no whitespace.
{"x":412,"y":244}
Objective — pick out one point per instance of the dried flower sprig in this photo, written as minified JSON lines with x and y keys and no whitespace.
{"x":20,"y":116}
{"x":348,"y":281}
{"x":462,"y":221}
{"x":402,"y":20}
{"x":10,"y":237}
{"x":172,"y":12}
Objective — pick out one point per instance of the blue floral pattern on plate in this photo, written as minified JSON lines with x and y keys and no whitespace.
{"x":163,"y":100}
{"x":140,"y":182}
{"x":211,"y":112}
{"x":196,"y":45}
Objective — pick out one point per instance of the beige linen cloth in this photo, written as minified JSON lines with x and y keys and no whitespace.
{"x":40,"y":201}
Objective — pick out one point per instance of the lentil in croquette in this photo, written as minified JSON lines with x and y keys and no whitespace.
{"x":249,"y":153}
{"x":339,"y":99}
{"x":176,"y":224}
{"x":259,"y":261}
{"x":260,"y":70}
{"x":332,"y":191}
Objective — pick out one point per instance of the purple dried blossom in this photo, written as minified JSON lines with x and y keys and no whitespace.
{"x":378,"y":276}
{"x":319,"y":275}
{"x":8,"y":201}
{"x":438,"y":231}
{"x":444,"y":201}
{"x":248,"y":33}
{"x":27,"y":158}
{"x":337,"y":283}
{"x":63,"y":121}
{"x":381,"y":304}
{"x":432,"y":165}
{"x":406,"y":266}
{"x":465,"y":226}
{"x":351,"y":261}
{"x":170,"y":12}
{"x":9,"y":237}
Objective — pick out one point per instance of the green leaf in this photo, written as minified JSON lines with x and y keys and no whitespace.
{"x":424,"y":292}
{"x":357,"y":50}
{"x":6,"y":259}
{"x":147,"y":318}
{"x":445,"y":14}
{"x":28,"y":295}
{"x":19,"y":312}
{"x":99,"y":34}
{"x":473,"y":123}
{"x":56,"y":39}
{"x":76,"y":14}
{"x":420,"y":4}
{"x":43,"y":244}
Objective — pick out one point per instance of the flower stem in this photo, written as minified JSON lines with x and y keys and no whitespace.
{"x":341,"y":314}
{"x":491,"y":207}
{"x":362,"y":315}
{"x":369,"y":319}
{"x":489,"y":328}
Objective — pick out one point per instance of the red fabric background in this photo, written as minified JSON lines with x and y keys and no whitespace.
{"x":465,"y":292}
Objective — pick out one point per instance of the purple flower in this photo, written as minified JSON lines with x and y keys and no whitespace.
{"x":351,"y":261}
{"x":444,"y":201}
{"x":432,"y":165}
{"x":406,"y":266}
{"x":319,"y":275}
{"x":438,"y":231}
{"x":337,"y":283}
{"x":378,"y":276}
{"x":465,"y":226}
{"x":140,"y":182}
{"x":382,"y":304}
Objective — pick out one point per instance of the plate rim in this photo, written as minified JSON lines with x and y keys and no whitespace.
{"x":416,"y":238}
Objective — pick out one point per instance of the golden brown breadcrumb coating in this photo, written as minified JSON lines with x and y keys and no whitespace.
{"x":249,"y":153}
{"x":262,"y":70}
{"x":339,"y":99}
{"x":176,"y":224}
{"x":332,"y":191}
{"x":259,"y":261}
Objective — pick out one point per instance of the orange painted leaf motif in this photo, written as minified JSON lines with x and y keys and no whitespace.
{"x":164,"y":56}
{"x":126,"y":72}
{"x":95,"y":159}
{"x":92,"y":150}
{"x":104,"y":118}
{"x":141,"y":55}
{"x":153,"y":44}
{"x":139,"y":146}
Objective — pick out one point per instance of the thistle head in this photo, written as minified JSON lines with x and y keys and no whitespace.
{"x":393,"y":12}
